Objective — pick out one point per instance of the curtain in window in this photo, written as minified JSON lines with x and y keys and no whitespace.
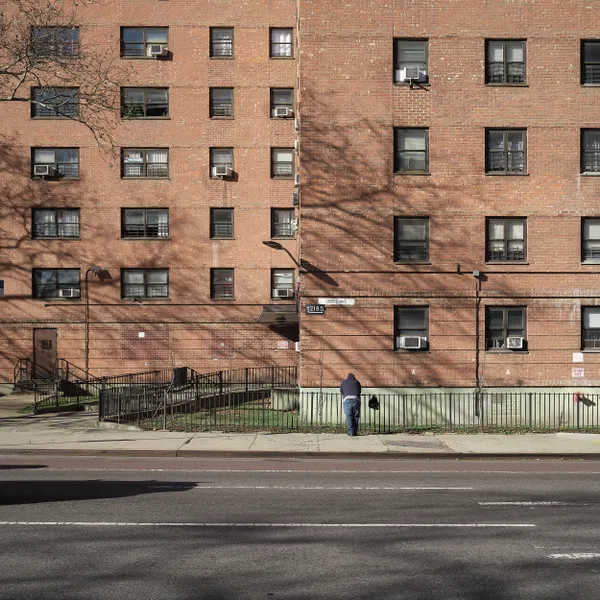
{"x":411,"y":140}
{"x":281,"y":42}
{"x":221,"y":156}
{"x":591,"y":230}
{"x":157,"y":156}
{"x":283,"y":279}
{"x":591,"y":318}
{"x":408,"y":230}
{"x":42,"y":156}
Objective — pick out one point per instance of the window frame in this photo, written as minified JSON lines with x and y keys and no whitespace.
{"x":36,"y":105}
{"x":273,"y":105}
{"x":214,"y":289}
{"x":593,"y":260}
{"x":146,"y":225}
{"x":145,"y":284}
{"x":397,"y":169}
{"x":56,"y":236}
{"x":144,"y":43}
{"x":75,"y":44}
{"x":395,"y":62}
{"x":145,"y":163}
{"x":272,"y":44}
{"x":35,"y":286}
{"x":505,"y":151}
{"x":145,"y":103}
{"x":275,"y":165}
{"x":211,"y":104}
{"x":55,"y":164}
{"x":583,"y":63}
{"x":583,"y":152}
{"x":214,"y":224}
{"x":398,"y":332}
{"x":274,"y":224}
{"x":275,"y":271}
{"x":505,"y":329}
{"x":397,"y":241}
{"x":212,"y":43}
{"x":505,"y":63}
{"x":583,"y":346}
{"x":505,"y":240}
{"x":213,"y":164}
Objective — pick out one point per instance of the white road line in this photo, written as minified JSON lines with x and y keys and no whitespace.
{"x":307,"y":525}
{"x":539,"y":503}
{"x":576,"y":556}
{"x":199,"y":487}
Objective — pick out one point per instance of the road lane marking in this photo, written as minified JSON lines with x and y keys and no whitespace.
{"x":576,"y":556}
{"x":199,"y":486}
{"x":539,"y":503}
{"x":273,"y":525}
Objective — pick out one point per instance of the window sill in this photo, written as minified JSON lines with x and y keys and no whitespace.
{"x":590,"y":174}
{"x":290,"y":300}
{"x":416,"y":85}
{"x":145,"y":118}
{"x":218,"y":239}
{"x":590,"y":263}
{"x":591,"y":85}
{"x":507,"y":262}
{"x":282,"y":57}
{"x":405,"y":173}
{"x":223,"y":299}
{"x":282,"y":177}
{"x":504,"y":351}
{"x":145,"y":239}
{"x":500,"y":174}
{"x":145,"y":178}
{"x":411,"y":262}
{"x":63,"y":239}
{"x":590,"y":350}
{"x":154,"y":58}
{"x":221,"y":57}
{"x":228,"y":178}
{"x":63,"y":118}
{"x":53,"y":299}
{"x":273,"y":118}
{"x":221,"y":118}
{"x":405,"y":351}
{"x":283,"y":237}
{"x":521,"y":85}
{"x":143,"y":299}
{"x":55,"y":179}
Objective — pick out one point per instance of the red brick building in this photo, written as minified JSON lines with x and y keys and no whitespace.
{"x":448,"y":154}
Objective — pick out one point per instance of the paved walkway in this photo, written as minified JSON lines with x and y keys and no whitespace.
{"x":77,"y":433}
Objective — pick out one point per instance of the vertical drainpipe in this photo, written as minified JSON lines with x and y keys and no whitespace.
{"x":476,"y":274}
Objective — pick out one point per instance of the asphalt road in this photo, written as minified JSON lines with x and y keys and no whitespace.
{"x":299,"y":529}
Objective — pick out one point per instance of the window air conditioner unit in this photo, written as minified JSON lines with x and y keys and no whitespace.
{"x":44,"y":170}
{"x":296,"y":179}
{"x":413,"y":74}
{"x":69,"y":293}
{"x":411,"y":342}
{"x":283,"y":111}
{"x":514,"y":343}
{"x":221,"y":171}
{"x":296,"y":145}
{"x":158,"y":50}
{"x":294,"y":224}
{"x":295,"y":198}
{"x":297,"y":124}
{"x":283,"y":293}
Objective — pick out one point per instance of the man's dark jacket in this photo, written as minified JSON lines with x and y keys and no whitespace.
{"x":350,"y":386}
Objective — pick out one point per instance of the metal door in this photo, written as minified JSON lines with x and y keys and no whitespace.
{"x":44,"y":352}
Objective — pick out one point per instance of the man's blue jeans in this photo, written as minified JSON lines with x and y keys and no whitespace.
{"x":352,"y":411}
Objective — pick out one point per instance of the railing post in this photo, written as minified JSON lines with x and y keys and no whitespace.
{"x":165,"y":410}
{"x":246,"y":375}
{"x":530,"y":411}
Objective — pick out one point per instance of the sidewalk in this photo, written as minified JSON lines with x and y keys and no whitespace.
{"x":78,"y":434}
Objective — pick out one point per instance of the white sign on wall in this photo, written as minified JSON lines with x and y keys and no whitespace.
{"x":337,"y":301}
{"x":577,"y":372}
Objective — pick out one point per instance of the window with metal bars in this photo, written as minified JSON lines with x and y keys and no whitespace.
{"x":221,"y":223}
{"x":590,"y":62}
{"x":55,"y":223}
{"x":411,"y":240}
{"x":505,"y":61}
{"x":282,"y":223}
{"x":506,"y":239}
{"x":221,"y":102}
{"x":221,"y":283}
{"x":221,"y":42}
{"x":411,"y":150}
{"x":144,"y":42}
{"x":282,"y":162}
{"x":590,"y":327}
{"x":55,"y":41}
{"x":145,"y":223}
{"x":502,"y":323}
{"x":144,"y":283}
{"x":282,"y":43}
{"x":142,"y":163}
{"x":590,"y":240}
{"x":60,"y":162}
{"x":144,"y":103}
{"x":54,"y":102}
{"x":590,"y":150}
{"x":506,"y":151}
{"x":56,"y":283}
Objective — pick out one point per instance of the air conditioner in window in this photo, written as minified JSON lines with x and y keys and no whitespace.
{"x":297,"y":124}
{"x":158,"y":50}
{"x":296,"y":179}
{"x":295,"y":198}
{"x":283,"y":111}
{"x":283,"y":293}
{"x":44,"y":170}
{"x":296,"y":145}
{"x":69,"y":293}
{"x":411,"y":342}
{"x":413,"y":74}
{"x":294,"y":224}
{"x":514,"y":343}
{"x":222,"y":171}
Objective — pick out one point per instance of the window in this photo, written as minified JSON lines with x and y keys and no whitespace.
{"x":411,"y":241}
{"x":506,"y":151}
{"x":411,"y":327}
{"x":144,"y":42}
{"x":144,"y":103}
{"x":55,"y":162}
{"x":221,"y":283}
{"x":506,"y":240}
{"x":590,"y":150}
{"x":411,"y":150}
{"x":221,"y":223}
{"x":590,"y":241}
{"x":55,"y":223}
{"x":282,"y":223}
{"x":145,"y":223}
{"x":56,"y":283}
{"x":55,"y":41}
{"x":281,"y":43}
{"x":221,"y":162}
{"x":590,"y":331}
{"x":590,"y":62}
{"x":54,"y":102}
{"x":410,"y":60}
{"x":505,"y":61}
{"x":221,"y":102}
{"x":282,"y":283}
{"x":282,"y":162}
{"x":144,"y":163}
{"x":282,"y":102}
{"x":221,"y":42}
{"x":145,"y":283}
{"x":502,"y":324}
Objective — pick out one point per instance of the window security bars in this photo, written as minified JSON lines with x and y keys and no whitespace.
{"x":145,"y":283}
{"x":143,"y":42}
{"x":56,"y":223}
{"x":412,"y":240}
{"x":144,"y":103}
{"x":590,"y":151}
{"x":56,"y":283}
{"x":54,"y":102}
{"x":221,"y":42}
{"x":506,"y":240}
{"x":221,"y":102}
{"x":145,"y":223}
{"x":221,"y":223}
{"x":590,"y":240}
{"x":60,"y":162}
{"x":505,"y":61}
{"x":505,"y":152}
{"x":144,"y":163}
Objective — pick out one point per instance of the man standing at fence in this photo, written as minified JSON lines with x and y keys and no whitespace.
{"x":351,"y":388}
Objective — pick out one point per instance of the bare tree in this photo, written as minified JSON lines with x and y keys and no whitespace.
{"x":42,"y":63}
